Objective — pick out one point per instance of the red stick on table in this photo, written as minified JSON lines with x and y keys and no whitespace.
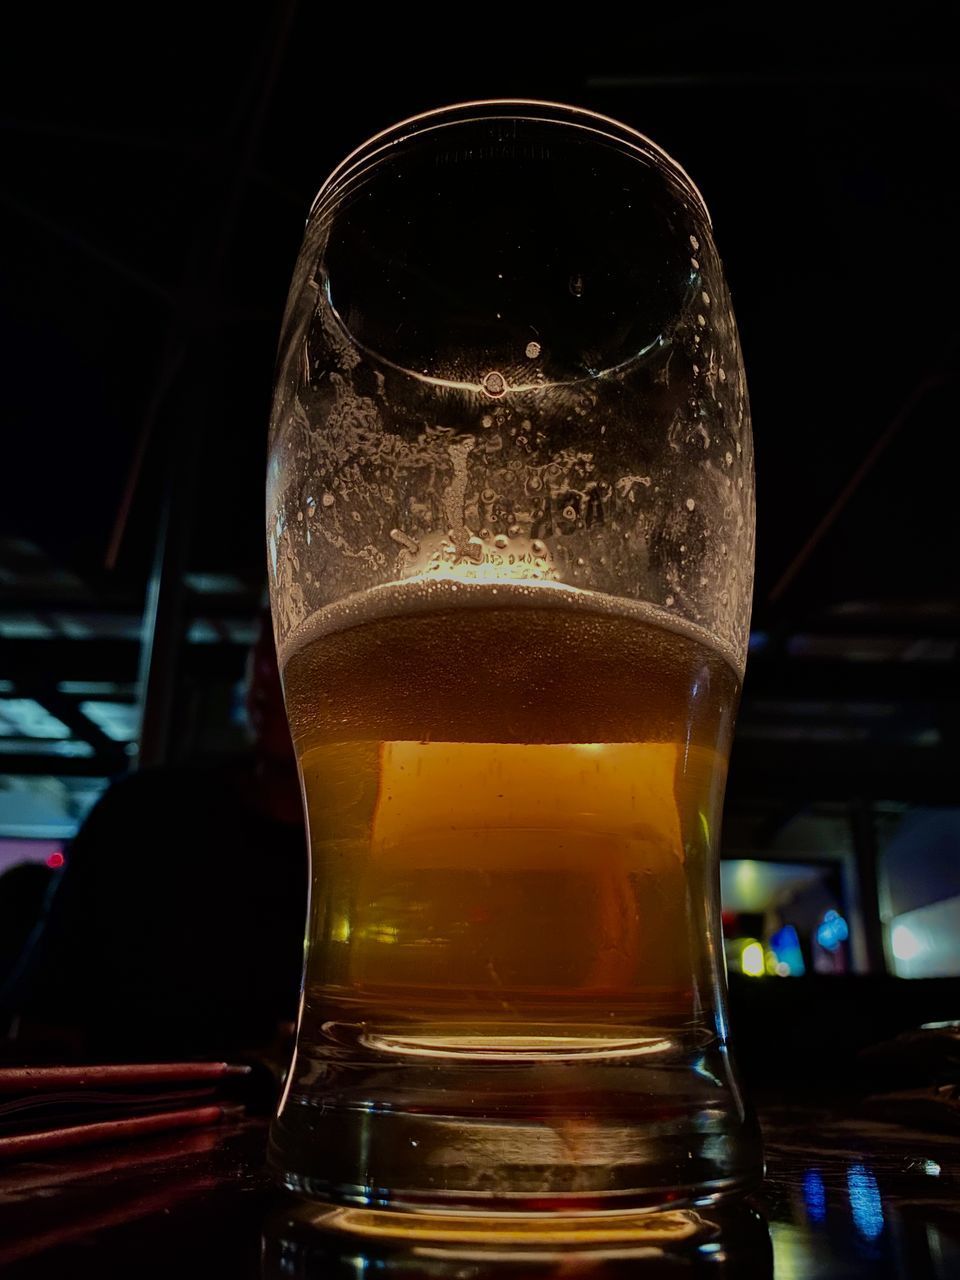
{"x":23,"y":1145}
{"x":41,"y":1079}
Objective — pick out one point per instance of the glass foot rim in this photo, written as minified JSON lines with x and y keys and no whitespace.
{"x":658,"y":1216}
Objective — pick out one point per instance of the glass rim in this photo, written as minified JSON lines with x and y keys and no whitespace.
{"x":507,"y":109}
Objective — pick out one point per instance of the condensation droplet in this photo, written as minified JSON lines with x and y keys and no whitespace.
{"x":701,"y":321}
{"x":728,"y":458}
{"x":328,"y":499}
{"x":739,"y":448}
{"x":569,"y":513}
{"x":695,"y":264}
{"x":533,"y":350}
{"x":501,"y":541}
{"x":739,"y":482}
{"x":514,"y":530}
{"x":538,"y":548}
{"x":580,"y":561}
{"x":690,"y":504}
{"x":494,"y":384}
{"x":486,"y":422}
{"x":669,"y":601}
{"x":694,"y":243}
{"x":706,"y":299}
{"x":722,"y":374}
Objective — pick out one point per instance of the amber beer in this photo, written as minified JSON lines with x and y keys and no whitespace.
{"x":513,"y":795}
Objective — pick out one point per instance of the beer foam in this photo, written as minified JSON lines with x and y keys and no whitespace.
{"x":435,"y":594}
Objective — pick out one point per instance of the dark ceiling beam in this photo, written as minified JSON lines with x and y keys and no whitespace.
{"x":845,"y":681}
{"x":47,"y":766}
{"x":806,"y":773}
{"x":67,"y":711}
{"x":163,"y":617}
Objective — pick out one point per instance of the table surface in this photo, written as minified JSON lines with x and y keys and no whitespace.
{"x":845,"y":1197}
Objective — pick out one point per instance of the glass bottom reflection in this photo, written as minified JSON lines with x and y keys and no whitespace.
{"x":308,"y":1241}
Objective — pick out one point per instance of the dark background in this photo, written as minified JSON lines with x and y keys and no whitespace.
{"x":156,"y":176}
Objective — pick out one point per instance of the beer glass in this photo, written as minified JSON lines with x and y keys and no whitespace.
{"x":510,"y":538}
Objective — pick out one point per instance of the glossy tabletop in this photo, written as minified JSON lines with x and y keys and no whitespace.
{"x":846,"y":1197}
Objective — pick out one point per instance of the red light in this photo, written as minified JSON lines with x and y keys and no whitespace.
{"x":56,"y":859}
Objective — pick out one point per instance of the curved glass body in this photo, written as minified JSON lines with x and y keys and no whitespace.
{"x":510,"y":537}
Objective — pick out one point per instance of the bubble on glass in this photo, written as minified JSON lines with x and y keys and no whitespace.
{"x":532,"y":350}
{"x":690,"y":504}
{"x":328,"y":499}
{"x":695,"y":264}
{"x":694,"y":243}
{"x":669,"y":601}
{"x":701,"y":320}
{"x":494,"y":383}
{"x":706,"y":298}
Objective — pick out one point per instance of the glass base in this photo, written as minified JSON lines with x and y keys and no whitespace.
{"x":458,"y":1132}
{"x":663,"y":1227}
{"x":308,"y":1240}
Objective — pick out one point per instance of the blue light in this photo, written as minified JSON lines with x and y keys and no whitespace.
{"x":786,"y":944}
{"x":814,"y":1196}
{"x":832,"y":931}
{"x":865,"y":1203}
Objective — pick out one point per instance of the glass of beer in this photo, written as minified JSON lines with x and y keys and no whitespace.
{"x":510,"y":530}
